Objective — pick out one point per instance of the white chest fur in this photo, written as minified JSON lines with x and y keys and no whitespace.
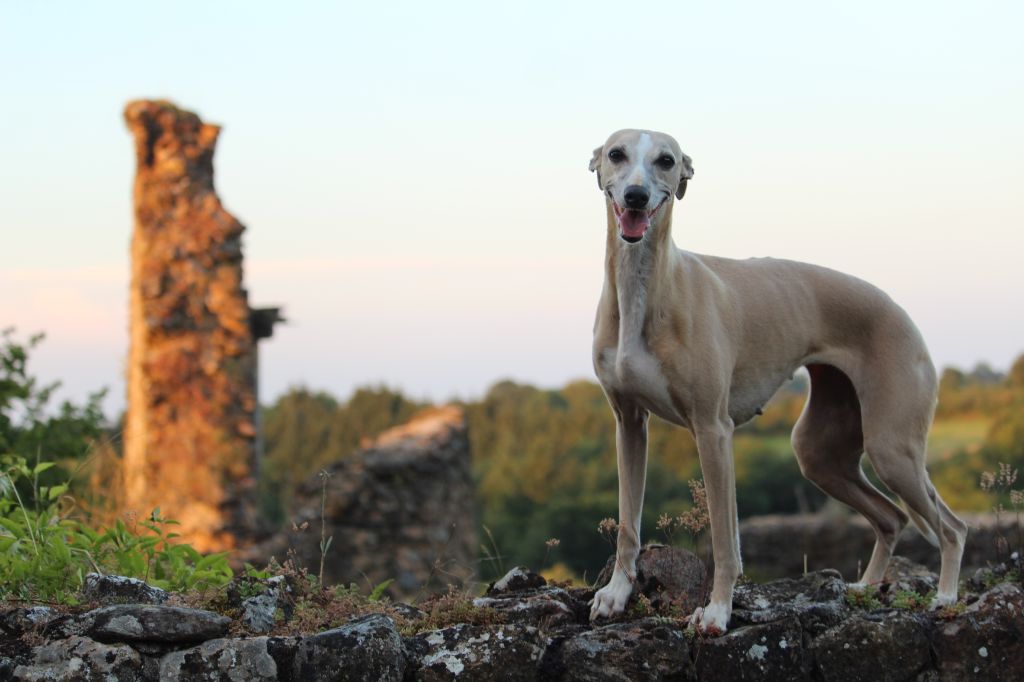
{"x":628,"y":368}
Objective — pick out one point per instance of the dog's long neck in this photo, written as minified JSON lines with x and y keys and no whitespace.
{"x":634,"y":272}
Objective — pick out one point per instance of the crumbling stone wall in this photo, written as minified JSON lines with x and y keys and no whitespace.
{"x":525,"y":629}
{"x":403,"y":508}
{"x":189,"y":432}
{"x":775,"y":545}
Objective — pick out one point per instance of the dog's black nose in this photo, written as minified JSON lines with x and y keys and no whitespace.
{"x":636,"y":197}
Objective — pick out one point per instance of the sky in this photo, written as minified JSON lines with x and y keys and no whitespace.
{"x":413,"y":176}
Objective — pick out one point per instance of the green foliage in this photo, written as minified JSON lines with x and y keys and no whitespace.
{"x":544,"y":462}
{"x":1001,"y":400}
{"x":909,"y":600}
{"x":45,"y":554}
{"x":29,"y":426}
{"x":545,"y":465}
{"x":378,"y":591}
{"x":864,"y":598}
{"x":768,"y":478}
{"x":641,"y":608}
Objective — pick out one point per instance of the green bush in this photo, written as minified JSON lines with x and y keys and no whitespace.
{"x":29,"y":422}
{"x":45,"y":554}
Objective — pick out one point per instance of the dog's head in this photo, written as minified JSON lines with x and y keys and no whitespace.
{"x":639,"y":171}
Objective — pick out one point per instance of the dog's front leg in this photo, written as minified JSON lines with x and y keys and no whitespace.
{"x":714,"y":445}
{"x":631,"y":444}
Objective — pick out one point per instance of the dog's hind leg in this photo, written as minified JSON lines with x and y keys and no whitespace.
{"x":829,"y":442}
{"x":895,"y":434}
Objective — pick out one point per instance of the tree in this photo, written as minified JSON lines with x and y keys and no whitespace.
{"x":305,"y":430}
{"x":28,"y":427}
{"x":1015,"y":378}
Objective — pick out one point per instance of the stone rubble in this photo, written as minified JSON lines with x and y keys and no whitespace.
{"x":788,"y":629}
{"x":403,"y":508}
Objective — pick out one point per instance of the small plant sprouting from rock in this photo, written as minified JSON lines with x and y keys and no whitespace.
{"x":378,"y":590}
{"x":325,"y":542}
{"x":549,"y":545}
{"x":492,"y":553}
{"x":609,"y":530}
{"x":1000,"y":485}
{"x":864,"y":598}
{"x":642,"y":607}
{"x":694,"y":520}
{"x":909,"y":600}
{"x":452,"y":608}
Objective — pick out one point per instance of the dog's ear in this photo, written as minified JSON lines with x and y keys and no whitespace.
{"x":595,"y":164}
{"x":685,"y":173}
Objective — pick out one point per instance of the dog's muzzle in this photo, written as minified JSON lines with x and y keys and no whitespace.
{"x":634,"y":222}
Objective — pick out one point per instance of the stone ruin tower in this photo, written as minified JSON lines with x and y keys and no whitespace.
{"x":191,"y":431}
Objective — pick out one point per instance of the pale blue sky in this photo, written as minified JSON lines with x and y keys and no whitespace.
{"x":413,"y":175}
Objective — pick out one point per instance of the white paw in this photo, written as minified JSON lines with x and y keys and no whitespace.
{"x":856,"y":587}
{"x":940,"y":600}
{"x":611,"y":598}
{"x":712,"y":619}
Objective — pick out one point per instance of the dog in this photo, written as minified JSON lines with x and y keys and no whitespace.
{"x":704,"y":342}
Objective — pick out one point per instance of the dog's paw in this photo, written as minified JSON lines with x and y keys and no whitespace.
{"x":712,"y":619}
{"x":611,"y":598}
{"x":856,"y":587}
{"x":941,"y":600}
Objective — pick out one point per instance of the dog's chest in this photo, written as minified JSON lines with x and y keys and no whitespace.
{"x":637,"y":375}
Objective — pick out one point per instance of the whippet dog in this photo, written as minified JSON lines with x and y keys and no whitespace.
{"x":704,"y":342}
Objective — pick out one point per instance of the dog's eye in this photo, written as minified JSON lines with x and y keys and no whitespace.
{"x":616,"y":155}
{"x":665,"y":161}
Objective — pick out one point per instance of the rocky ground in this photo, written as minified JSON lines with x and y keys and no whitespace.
{"x":524,"y":629}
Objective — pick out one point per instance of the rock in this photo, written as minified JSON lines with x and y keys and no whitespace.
{"x":259,"y":612}
{"x":401,"y":508}
{"x":547,"y":606}
{"x":79,"y":659}
{"x":817,"y":586}
{"x":773,"y":651}
{"x":987,"y":575}
{"x":19,"y":620}
{"x":221,"y":659}
{"x":116,"y":589}
{"x":903,"y":575}
{"x":817,"y":599}
{"x":476,"y":652}
{"x":519,"y":578}
{"x":149,"y":623}
{"x":986,"y":641}
{"x":889,"y":647}
{"x":798,"y":628}
{"x":776,"y":544}
{"x":673,"y":574}
{"x":648,"y":649}
{"x":367,"y":648}
{"x":407,"y":611}
{"x":665,"y":575}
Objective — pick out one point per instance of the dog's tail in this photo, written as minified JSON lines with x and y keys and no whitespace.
{"x":922,"y":526}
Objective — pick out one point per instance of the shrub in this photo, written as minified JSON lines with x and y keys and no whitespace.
{"x":45,"y":553}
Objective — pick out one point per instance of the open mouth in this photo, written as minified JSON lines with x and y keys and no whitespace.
{"x":633,"y":223}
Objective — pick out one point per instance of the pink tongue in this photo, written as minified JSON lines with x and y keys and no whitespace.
{"x":634,"y":223}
